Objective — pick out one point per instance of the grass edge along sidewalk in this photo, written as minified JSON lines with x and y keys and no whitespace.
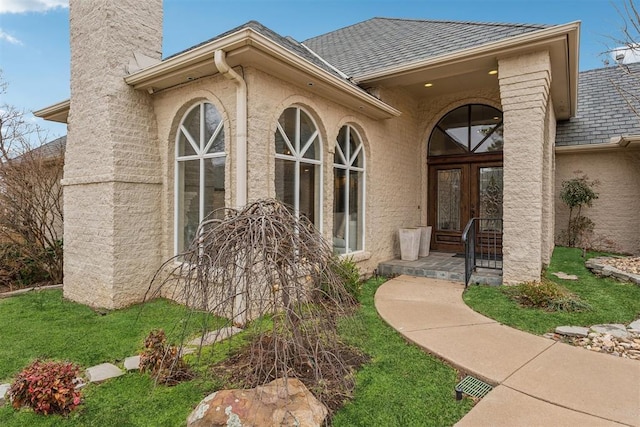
{"x":611,"y":301}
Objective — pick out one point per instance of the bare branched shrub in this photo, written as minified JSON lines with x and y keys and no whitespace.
{"x":30,"y":193}
{"x":264,"y":268}
{"x":625,"y":51}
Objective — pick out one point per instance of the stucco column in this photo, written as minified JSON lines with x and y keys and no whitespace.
{"x":548,"y":187}
{"x":524,"y":90}
{"x":112,"y":173}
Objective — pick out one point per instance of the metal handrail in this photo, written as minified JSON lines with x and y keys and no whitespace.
{"x":488,"y":254}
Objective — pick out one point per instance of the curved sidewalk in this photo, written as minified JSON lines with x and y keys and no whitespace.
{"x":537,"y":381}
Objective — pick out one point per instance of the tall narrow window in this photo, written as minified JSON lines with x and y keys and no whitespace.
{"x":299,"y":163}
{"x":200,"y":170}
{"x":348,"y":192}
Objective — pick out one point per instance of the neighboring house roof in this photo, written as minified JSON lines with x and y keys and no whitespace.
{"x":52,"y":148}
{"x":48,"y":150}
{"x":603,"y":107}
{"x":380,"y":43}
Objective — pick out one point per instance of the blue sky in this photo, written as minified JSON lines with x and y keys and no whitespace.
{"x":34,"y":34}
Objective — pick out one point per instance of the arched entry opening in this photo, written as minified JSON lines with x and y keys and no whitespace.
{"x":465,"y":173}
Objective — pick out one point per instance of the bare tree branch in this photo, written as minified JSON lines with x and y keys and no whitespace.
{"x":30,"y":199}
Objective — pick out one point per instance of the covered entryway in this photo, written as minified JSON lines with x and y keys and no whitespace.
{"x":465,"y":173}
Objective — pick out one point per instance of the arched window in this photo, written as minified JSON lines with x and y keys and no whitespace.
{"x":298,"y":171}
{"x":200,"y":170}
{"x":472,"y":128}
{"x":348,"y":192}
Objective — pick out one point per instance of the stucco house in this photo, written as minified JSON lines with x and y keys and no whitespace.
{"x":383,"y":124}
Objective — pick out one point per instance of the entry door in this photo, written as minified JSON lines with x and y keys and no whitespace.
{"x":459,"y":192}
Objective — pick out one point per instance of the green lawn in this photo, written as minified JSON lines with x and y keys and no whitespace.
{"x":611,"y":301}
{"x":400,"y":386}
{"x":46,"y":326}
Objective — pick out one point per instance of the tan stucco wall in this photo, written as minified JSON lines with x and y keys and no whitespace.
{"x":548,"y":183}
{"x":616,"y":213}
{"x":392,"y":147}
{"x":112,"y":172}
{"x":524,"y":89}
{"x":170,"y":107}
{"x":119,"y":172}
{"x":396,"y":177}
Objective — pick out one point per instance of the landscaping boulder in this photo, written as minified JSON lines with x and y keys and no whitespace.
{"x":283,"y":402}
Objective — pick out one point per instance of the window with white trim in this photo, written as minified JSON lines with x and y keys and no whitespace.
{"x":348,"y":192}
{"x":200,"y":170}
{"x":298,"y":164}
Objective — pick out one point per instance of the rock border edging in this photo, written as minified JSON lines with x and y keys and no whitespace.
{"x":602,"y":269}
{"x":27,"y":290}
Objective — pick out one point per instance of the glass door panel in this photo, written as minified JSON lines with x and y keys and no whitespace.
{"x":486,"y":194}
{"x":490,"y":196}
{"x":449,"y":195}
{"x":449,"y":210}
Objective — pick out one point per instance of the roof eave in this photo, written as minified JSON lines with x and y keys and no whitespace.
{"x":569,"y":34}
{"x":615,"y":143}
{"x":55,"y":113}
{"x":155,"y":77}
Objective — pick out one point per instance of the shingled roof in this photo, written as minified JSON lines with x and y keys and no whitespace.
{"x":603,"y":110}
{"x":287,"y":42}
{"x":53,"y":148}
{"x":379,"y":43}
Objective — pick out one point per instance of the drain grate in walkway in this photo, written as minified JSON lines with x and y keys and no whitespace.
{"x":472,"y":387}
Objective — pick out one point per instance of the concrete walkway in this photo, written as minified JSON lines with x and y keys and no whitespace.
{"x":538,"y":381}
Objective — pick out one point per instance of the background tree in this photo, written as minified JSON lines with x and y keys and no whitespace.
{"x":30,"y":200}
{"x":627,"y":51}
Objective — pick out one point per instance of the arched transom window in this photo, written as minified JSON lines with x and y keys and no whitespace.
{"x":298,"y":163}
{"x":200,"y":170}
{"x":348,"y":192}
{"x":470,"y":129}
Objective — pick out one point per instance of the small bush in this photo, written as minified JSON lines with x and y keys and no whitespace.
{"x":18,"y":268}
{"x":348,"y":274}
{"x":547,"y":295}
{"x":163,"y":361}
{"x":47,"y":388}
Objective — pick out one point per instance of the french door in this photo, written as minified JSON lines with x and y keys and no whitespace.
{"x":459,"y":192}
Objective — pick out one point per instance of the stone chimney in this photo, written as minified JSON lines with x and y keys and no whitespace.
{"x":112,"y":176}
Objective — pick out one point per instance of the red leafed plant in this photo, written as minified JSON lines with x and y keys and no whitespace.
{"x":47,"y":387}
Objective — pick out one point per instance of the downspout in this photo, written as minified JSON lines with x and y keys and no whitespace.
{"x":219,"y":58}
